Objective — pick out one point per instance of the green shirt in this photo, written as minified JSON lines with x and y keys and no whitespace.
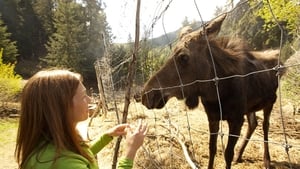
{"x":44,"y":159}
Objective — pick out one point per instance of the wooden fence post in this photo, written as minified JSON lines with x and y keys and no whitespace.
{"x":129,"y":80}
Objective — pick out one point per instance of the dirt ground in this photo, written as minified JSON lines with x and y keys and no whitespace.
{"x":174,"y":124}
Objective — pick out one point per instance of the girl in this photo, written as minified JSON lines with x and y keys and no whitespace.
{"x":52,"y":104}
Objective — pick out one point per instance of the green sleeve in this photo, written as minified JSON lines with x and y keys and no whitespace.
{"x":99,"y":144}
{"x":125,"y":163}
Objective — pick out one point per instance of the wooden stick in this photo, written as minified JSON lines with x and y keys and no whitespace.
{"x":129,"y":80}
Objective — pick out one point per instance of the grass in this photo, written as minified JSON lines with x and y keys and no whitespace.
{"x":8,"y":133}
{"x":8,"y":130}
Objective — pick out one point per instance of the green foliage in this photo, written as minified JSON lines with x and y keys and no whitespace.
{"x":78,"y":39}
{"x":10,"y":83}
{"x":29,"y":35}
{"x":67,"y":44}
{"x":120,"y":54}
{"x":149,"y":60}
{"x":56,"y":33}
{"x":256,"y":36}
{"x":98,"y":36}
{"x":287,"y":12}
{"x":153,"y":61}
{"x":247,"y":24}
{"x":290,"y":82}
{"x":44,"y":12}
{"x":25,"y":21}
{"x":10,"y":54}
{"x":289,"y":49}
{"x":244,"y":24}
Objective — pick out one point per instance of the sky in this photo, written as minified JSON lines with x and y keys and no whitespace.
{"x":121,"y":15}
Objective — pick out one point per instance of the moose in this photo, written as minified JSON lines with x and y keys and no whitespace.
{"x":231,"y":80}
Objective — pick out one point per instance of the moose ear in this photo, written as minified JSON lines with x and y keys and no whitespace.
{"x":214,"y":26}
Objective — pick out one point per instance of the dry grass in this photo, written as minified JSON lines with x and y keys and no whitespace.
{"x":162,"y":151}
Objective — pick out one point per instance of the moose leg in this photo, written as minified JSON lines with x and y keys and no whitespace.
{"x":213,"y":129}
{"x":235,"y":127}
{"x":252,"y":124}
{"x":267,"y":113}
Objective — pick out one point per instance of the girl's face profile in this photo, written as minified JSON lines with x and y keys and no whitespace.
{"x":80,"y":104}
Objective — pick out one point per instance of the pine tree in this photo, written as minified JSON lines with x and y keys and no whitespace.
{"x":12,"y":21}
{"x":43,"y":10}
{"x":98,"y":34}
{"x":8,"y":46}
{"x":66,"y":46}
{"x":28,"y":34}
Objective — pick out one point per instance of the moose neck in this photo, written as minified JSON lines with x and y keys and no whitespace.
{"x":224,"y":57}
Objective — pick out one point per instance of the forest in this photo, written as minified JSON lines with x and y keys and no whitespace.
{"x":38,"y":34}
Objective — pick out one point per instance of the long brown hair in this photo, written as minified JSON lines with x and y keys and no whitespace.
{"x":46,"y":114}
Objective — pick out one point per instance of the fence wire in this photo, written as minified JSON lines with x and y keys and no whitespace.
{"x":157,"y":155}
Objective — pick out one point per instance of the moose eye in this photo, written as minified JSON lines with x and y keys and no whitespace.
{"x":183,"y":59}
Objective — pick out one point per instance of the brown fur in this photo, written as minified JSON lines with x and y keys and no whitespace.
{"x":188,"y":73}
{"x":184,"y":31}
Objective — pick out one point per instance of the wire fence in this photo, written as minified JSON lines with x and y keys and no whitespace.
{"x":175,"y":130}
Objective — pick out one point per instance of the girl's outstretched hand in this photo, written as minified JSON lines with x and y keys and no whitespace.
{"x":117,"y":130}
{"x":134,"y":139}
